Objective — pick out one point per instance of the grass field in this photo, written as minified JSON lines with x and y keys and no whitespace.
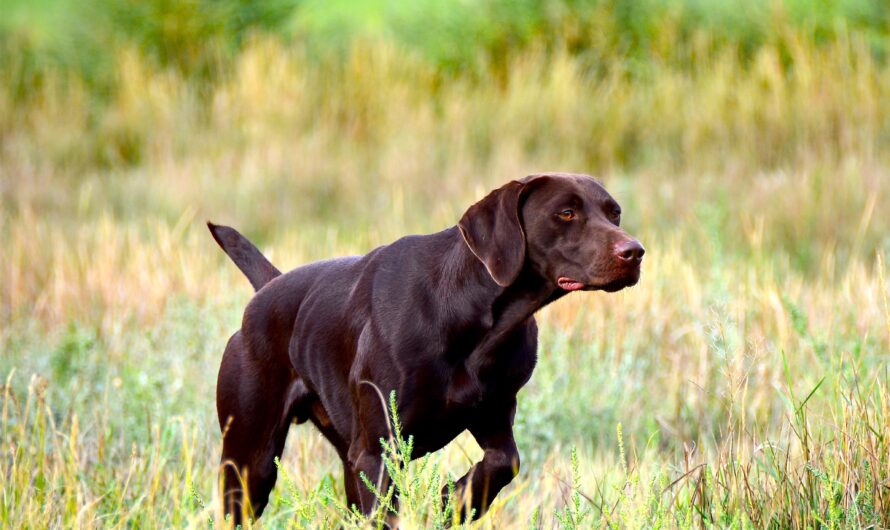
{"x":743,"y":383}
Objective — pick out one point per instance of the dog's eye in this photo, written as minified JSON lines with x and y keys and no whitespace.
{"x":567,"y":214}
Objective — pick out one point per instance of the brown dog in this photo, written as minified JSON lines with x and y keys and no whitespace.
{"x":446,"y":320}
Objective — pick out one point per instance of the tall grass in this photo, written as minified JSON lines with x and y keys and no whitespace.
{"x":743,"y":383}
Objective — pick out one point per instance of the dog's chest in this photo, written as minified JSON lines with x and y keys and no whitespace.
{"x":495,"y":374}
{"x":500,"y":379}
{"x":445,"y":409}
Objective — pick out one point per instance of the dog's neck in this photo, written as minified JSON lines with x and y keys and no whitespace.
{"x":509,"y":305}
{"x":499,"y":310}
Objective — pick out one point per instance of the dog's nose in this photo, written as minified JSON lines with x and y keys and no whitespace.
{"x":630,"y":250}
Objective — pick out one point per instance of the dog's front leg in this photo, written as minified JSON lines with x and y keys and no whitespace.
{"x":477,"y":489}
{"x":370,"y":464}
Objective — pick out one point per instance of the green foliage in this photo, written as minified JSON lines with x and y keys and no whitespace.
{"x":411,"y":490}
{"x":82,"y":37}
{"x":577,"y":513}
{"x":72,"y":353}
{"x":191,"y":34}
{"x":199,"y":36}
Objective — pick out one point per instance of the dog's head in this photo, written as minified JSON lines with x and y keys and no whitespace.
{"x":564,"y":227}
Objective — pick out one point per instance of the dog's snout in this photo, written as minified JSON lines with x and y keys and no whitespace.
{"x":630,"y":250}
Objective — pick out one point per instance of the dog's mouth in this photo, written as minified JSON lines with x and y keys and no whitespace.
{"x":568,"y":284}
{"x":626,"y":277}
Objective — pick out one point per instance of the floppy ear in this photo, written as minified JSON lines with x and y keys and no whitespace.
{"x":494,"y":234}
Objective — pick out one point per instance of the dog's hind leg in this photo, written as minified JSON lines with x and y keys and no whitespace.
{"x":322,"y":422}
{"x":254,"y":402}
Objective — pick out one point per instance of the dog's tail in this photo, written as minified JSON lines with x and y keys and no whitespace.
{"x":246,"y":256}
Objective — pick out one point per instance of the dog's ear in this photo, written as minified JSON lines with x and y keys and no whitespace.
{"x":493,"y":231}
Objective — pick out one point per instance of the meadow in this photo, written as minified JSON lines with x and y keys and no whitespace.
{"x":743,"y":383}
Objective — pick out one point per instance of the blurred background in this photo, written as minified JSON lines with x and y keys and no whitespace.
{"x":747,"y":142}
